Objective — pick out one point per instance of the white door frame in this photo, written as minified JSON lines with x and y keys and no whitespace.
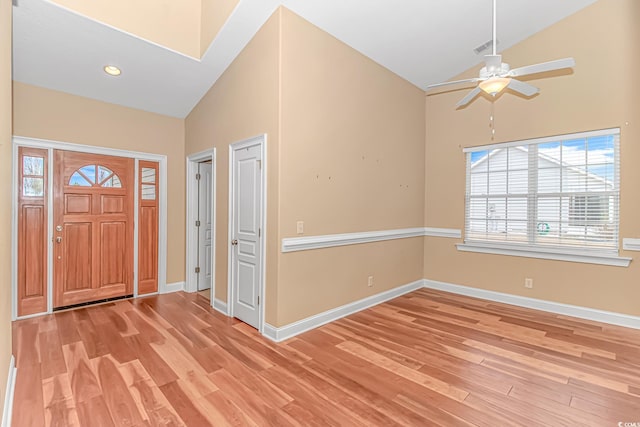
{"x":50,"y":145}
{"x":192,"y":215}
{"x":260,"y":140}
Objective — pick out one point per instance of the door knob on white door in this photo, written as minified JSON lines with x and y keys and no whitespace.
{"x":234,"y":242}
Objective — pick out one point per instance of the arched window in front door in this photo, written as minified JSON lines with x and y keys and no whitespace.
{"x":95,"y":176}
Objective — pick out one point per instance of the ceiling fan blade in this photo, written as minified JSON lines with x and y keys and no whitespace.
{"x":542,"y":67}
{"x":467,"y":99}
{"x":524,"y":88}
{"x":455,"y":82}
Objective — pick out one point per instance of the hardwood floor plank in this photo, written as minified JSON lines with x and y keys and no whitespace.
{"x":121,"y":405}
{"x":94,"y":412}
{"x":28,"y":406}
{"x":154,"y":364}
{"x":183,"y":405}
{"x":263,"y":412}
{"x":84,"y":383}
{"x":425,"y":358}
{"x":150,"y":401}
{"x":60,"y":407}
{"x":230,"y":413}
{"x":66,"y":327}
{"x":93,"y":344}
{"x":52,"y":356}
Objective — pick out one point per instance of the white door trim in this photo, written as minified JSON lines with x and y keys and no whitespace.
{"x":260,"y":140}
{"x":50,"y":145}
{"x":191,"y":284}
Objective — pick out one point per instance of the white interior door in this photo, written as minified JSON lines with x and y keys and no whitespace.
{"x":246,"y":217}
{"x":205,"y":230}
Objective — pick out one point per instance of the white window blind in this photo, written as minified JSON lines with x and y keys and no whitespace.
{"x":560,"y":192}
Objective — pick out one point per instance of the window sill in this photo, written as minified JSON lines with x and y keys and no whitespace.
{"x":603,"y":258}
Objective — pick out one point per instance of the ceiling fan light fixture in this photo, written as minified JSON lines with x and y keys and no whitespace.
{"x":494,"y":85}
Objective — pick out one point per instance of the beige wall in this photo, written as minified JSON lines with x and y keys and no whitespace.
{"x":602,"y":38}
{"x":47,"y":114}
{"x":173,"y":24}
{"x":214,"y":15}
{"x":346,"y":154}
{"x":243,"y":103}
{"x":5,"y":194}
{"x":351,"y":159}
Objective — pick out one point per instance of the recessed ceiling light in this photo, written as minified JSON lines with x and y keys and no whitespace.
{"x":112,"y":70}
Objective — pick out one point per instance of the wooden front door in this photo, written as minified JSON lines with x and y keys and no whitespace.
{"x":92,"y":227}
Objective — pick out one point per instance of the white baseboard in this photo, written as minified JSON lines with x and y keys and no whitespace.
{"x":220,"y":306}
{"x":172,"y":287}
{"x":284,"y":332}
{"x":538,"y":304}
{"x":8,"y":397}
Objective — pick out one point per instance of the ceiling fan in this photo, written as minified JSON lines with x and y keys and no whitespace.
{"x":496,"y":75}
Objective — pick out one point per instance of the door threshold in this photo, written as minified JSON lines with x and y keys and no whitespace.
{"x":84,"y":304}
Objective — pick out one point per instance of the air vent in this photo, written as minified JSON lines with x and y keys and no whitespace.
{"x":485,"y":46}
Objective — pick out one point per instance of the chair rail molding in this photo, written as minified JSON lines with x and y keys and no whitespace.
{"x":293,"y":244}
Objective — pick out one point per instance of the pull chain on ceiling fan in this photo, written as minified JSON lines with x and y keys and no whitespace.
{"x":496,"y":75}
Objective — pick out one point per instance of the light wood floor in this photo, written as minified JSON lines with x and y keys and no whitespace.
{"x":427,"y":358}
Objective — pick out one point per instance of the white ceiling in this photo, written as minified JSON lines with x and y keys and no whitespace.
{"x":423,"y":41}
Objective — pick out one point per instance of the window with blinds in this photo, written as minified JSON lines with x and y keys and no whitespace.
{"x":557,"y":192}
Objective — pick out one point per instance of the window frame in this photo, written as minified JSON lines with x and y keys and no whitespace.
{"x":527,"y":248}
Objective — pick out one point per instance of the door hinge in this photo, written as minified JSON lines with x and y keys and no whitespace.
{"x":259,"y":164}
{"x":259,"y":232}
{"x":258,"y":299}
{"x":197,"y":269}
{"x":198,"y":176}
{"x":198,"y":223}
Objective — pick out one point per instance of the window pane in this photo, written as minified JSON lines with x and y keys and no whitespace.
{"x":549,"y":180}
{"x":478,"y":208}
{"x":574,"y":180}
{"x":600,"y":149}
{"x":479,"y":161}
{"x":149,"y":175}
{"x":479,"y":183}
{"x":148,"y":192}
{"x":113,"y":182}
{"x":103,"y":173}
{"x":79,"y":180}
{"x":517,"y":209}
{"x":90,"y":172}
{"x":518,"y":182}
{"x":33,"y":187}
{"x":497,"y":182}
{"x":549,"y":155}
{"x":498,"y":160}
{"x":549,"y":209}
{"x":574,"y":152}
{"x":33,"y":166}
{"x":518,"y":158}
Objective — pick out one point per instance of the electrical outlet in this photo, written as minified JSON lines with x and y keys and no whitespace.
{"x":300,"y":227}
{"x":528,"y":283}
{"x":370,"y":281}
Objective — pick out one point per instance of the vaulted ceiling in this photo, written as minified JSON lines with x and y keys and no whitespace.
{"x":423,"y":41}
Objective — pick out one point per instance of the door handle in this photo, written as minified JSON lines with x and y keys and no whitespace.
{"x":234,"y":242}
{"x":58,"y":239}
